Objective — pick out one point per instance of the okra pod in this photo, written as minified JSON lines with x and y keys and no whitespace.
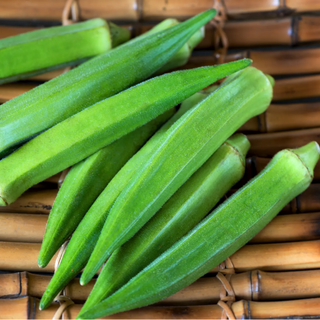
{"x":28,"y":54}
{"x":86,"y":235}
{"x":81,"y":135}
{"x":219,"y":235}
{"x":103,"y":76}
{"x":85,"y":181}
{"x":186,"y":208}
{"x":181,"y":151}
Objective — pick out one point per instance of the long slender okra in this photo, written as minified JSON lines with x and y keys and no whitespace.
{"x":223,"y":232}
{"x":103,"y":76}
{"x":85,"y":181}
{"x":81,"y":135}
{"x":183,"y":149}
{"x":187,"y":207}
{"x":86,"y":235}
{"x":48,"y":49}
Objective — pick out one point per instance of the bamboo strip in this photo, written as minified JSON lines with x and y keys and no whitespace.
{"x":12,"y":90}
{"x":33,"y":201}
{"x":268,"y":144}
{"x":283,"y":117}
{"x":28,"y":308}
{"x":252,"y":285}
{"x":256,"y":164}
{"x":17,"y":256}
{"x":22,"y":227}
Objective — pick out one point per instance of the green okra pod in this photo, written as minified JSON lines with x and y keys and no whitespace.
{"x":85,"y":181}
{"x":28,"y":54}
{"x":86,"y":235}
{"x":103,"y":76}
{"x":219,"y":235}
{"x":181,"y":151}
{"x":81,"y":135}
{"x":187,"y":207}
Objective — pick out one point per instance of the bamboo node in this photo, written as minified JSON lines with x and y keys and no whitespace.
{"x":220,"y":38}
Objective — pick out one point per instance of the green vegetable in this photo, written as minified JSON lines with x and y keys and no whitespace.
{"x":81,"y":135}
{"x":85,"y":181}
{"x":223,"y":232}
{"x":187,"y":207}
{"x":40,"y":51}
{"x":86,"y":235}
{"x":183,"y":149}
{"x":103,"y":76}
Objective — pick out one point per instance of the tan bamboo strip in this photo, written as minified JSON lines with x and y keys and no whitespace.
{"x":268,"y":144}
{"x":284,"y":117}
{"x":296,"y":88}
{"x":256,"y":164}
{"x":33,"y":201}
{"x":12,"y":90}
{"x":52,"y":10}
{"x":17,"y":256}
{"x":28,"y":308}
{"x":22,"y":227}
{"x":251,"y":285}
{"x":308,"y":29}
{"x":291,"y":227}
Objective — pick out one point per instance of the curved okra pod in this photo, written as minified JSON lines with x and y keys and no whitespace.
{"x":181,"y":151}
{"x":93,"y":81}
{"x":85,"y":181}
{"x":187,"y":207}
{"x":225,"y":230}
{"x":99,"y":125}
{"x":86,"y":235}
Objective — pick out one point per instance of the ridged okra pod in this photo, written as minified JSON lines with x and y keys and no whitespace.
{"x":181,"y":151}
{"x":219,"y":235}
{"x":40,"y":51}
{"x":81,"y":135}
{"x":187,"y":207}
{"x":86,"y":235}
{"x":85,"y":181}
{"x":103,"y":76}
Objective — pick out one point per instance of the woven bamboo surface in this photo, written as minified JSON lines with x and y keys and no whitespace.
{"x":277,"y":274}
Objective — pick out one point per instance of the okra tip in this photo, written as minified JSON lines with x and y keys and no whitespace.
{"x":3,"y":202}
{"x":309,"y":155}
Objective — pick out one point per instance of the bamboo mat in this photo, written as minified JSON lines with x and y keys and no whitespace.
{"x":274,"y":276}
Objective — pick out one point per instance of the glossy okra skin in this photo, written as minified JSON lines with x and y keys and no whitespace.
{"x":183,"y":149}
{"x":187,"y":207}
{"x":225,"y":230}
{"x":86,"y":235}
{"x":85,"y":181}
{"x":103,"y":76}
{"x":40,"y":51}
{"x":81,"y":135}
